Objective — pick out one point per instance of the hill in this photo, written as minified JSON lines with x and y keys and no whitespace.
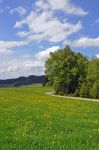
{"x":21,"y":81}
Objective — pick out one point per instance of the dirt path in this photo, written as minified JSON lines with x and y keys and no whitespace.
{"x":85,"y":99}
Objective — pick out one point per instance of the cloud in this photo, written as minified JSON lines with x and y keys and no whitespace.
{"x":64,"y":5}
{"x":12,"y":44}
{"x":42,"y":23}
{"x":43,"y":55}
{"x":17,"y":67}
{"x":86,"y":42}
{"x":5,"y":52}
{"x":25,"y":65}
{"x":22,"y":66}
{"x":19,"y":24}
{"x":20,"y":10}
{"x":22,"y":34}
{"x":97,"y":56}
{"x":4,"y":9}
{"x":42,"y":5}
{"x":46,"y":26}
{"x":7,"y":46}
{"x":97,"y":20}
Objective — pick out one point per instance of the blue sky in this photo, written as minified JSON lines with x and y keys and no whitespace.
{"x":31,"y":29}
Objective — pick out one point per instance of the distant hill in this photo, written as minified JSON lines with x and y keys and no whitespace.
{"x":21,"y":81}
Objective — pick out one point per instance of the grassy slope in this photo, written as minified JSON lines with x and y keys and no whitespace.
{"x":31,"y":120}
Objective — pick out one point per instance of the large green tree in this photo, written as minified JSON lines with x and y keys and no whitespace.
{"x":66,"y":70}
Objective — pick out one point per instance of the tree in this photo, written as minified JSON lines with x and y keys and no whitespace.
{"x":66,"y":70}
{"x":93,"y":70}
{"x":90,"y":88}
{"x":93,"y":77}
{"x":95,"y":90}
{"x":85,"y":90}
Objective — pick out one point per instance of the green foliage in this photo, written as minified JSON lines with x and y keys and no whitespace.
{"x":72,"y":73}
{"x":90,"y":88}
{"x":66,"y":70}
{"x":59,"y":87}
{"x":85,"y":90}
{"x":93,"y":70}
{"x":95,"y":90}
{"x":93,"y":78}
{"x":77,"y":93}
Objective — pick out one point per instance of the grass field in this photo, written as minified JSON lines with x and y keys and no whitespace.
{"x":31,"y":120}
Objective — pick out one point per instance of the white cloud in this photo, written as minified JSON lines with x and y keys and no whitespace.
{"x":64,"y":5}
{"x":86,"y":42}
{"x":43,"y":55}
{"x":57,"y":4}
{"x":42,"y":5}
{"x":19,"y":24}
{"x":17,"y":67}
{"x":12,"y":44}
{"x":7,"y":46}
{"x":20,"y":10}
{"x":22,"y":34}
{"x":45,"y":26}
{"x":97,"y":56}
{"x":5,"y":52}
{"x":42,"y":24}
{"x":25,"y":65}
{"x":22,"y":66}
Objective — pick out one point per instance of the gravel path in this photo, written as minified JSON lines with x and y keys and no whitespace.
{"x":85,"y":99}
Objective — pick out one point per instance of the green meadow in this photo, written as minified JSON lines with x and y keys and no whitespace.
{"x":31,"y":120}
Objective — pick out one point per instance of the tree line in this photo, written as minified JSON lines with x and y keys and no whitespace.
{"x":72,"y":73}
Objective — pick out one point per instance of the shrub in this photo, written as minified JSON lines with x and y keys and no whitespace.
{"x":60,"y":88}
{"x":85,"y":90}
{"x":77,"y":92}
{"x":94,"y":92}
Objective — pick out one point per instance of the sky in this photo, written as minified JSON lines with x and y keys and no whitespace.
{"x":31,"y":29}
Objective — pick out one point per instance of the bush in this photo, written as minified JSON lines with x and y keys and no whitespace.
{"x":76,"y":93}
{"x":94,"y":92}
{"x":85,"y":90}
{"x":60,"y":88}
